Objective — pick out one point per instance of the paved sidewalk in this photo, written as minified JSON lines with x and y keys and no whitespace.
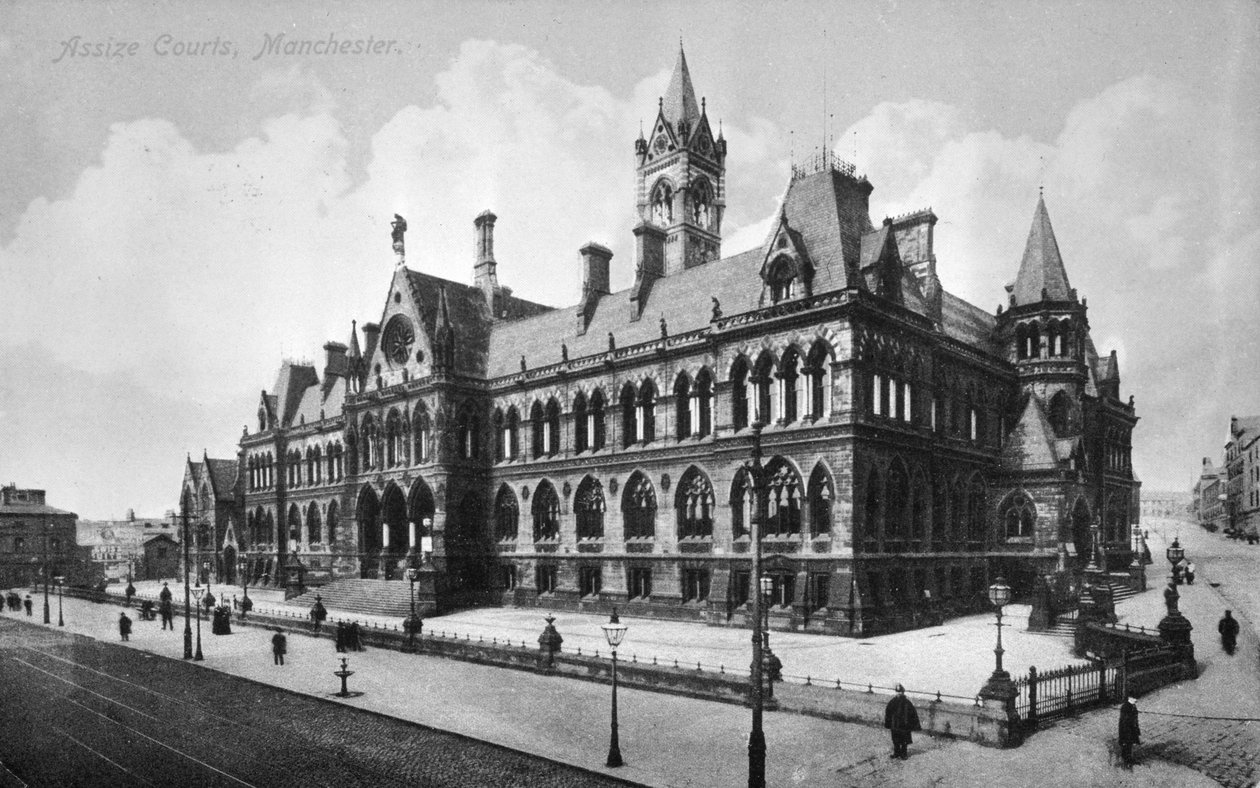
{"x":666,"y":740}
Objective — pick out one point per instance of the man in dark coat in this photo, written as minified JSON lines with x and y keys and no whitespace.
{"x":124,"y":626}
{"x":279,"y":645}
{"x":1130,"y":734}
{"x":1228,"y":627}
{"x":901,"y":718}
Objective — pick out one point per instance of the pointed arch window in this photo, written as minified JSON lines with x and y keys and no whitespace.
{"x":506,"y":515}
{"x":581,"y":430}
{"x":423,"y":435}
{"x":694,"y":504}
{"x":682,"y":406}
{"x":783,"y":500}
{"x":821,"y":496}
{"x":589,"y":507}
{"x":740,"y":393}
{"x":595,"y":421}
{"x":647,"y":412}
{"x":546,"y":510}
{"x":629,"y":416}
{"x":1019,"y":516}
{"x":818,"y":371}
{"x":638,"y":508}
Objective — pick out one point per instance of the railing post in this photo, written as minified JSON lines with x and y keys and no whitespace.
{"x":1032,"y":698}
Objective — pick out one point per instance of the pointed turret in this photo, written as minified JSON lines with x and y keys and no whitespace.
{"x":1042,"y":276}
{"x":679,"y":104}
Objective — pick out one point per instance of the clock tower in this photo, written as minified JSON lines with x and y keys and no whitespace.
{"x":681,"y":183}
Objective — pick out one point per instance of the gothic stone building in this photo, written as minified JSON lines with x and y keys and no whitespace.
{"x":575,"y":458}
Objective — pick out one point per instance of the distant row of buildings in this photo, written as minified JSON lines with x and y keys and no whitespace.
{"x":1226,"y":497}
{"x":38,"y":541}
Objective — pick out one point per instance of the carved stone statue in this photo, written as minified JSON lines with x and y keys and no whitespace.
{"x":399,"y":226}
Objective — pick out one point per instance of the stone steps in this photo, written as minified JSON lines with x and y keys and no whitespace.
{"x":374,"y":597}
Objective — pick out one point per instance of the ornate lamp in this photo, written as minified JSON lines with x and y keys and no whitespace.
{"x":614,"y":631}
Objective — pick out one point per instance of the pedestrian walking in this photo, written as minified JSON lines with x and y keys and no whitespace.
{"x":1190,"y":573}
{"x":168,"y":614}
{"x":1130,"y":733}
{"x":318,"y":614}
{"x":1228,"y":627}
{"x":901,"y":718}
{"x":28,"y":604}
{"x":279,"y":645}
{"x":124,"y":626}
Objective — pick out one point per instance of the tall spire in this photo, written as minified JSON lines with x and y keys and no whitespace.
{"x":679,"y":102}
{"x":1041,"y":274}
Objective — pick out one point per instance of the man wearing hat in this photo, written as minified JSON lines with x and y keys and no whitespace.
{"x":901,"y":718}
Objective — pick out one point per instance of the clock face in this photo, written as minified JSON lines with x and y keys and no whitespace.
{"x":399,"y":336}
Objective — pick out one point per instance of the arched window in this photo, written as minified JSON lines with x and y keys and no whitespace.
{"x":647,"y":412}
{"x":694,"y":504}
{"x":589,"y":506}
{"x":629,"y":416}
{"x":782,"y":279}
{"x":742,"y":503}
{"x":977,"y":498}
{"x":783,"y":499}
{"x":423,"y":434}
{"x":873,"y":519}
{"x":819,"y":372}
{"x":702,"y":404}
{"x":546,"y":510}
{"x":595,"y":421}
{"x":764,"y":395}
{"x":821,"y":496}
{"x":506,"y":514}
{"x":1019,"y":516}
{"x":331,"y":525}
{"x":581,"y":432}
{"x":740,"y":393}
{"x":314,"y":527}
{"x":896,"y":508}
{"x":638,"y":508}
{"x":551,"y":435}
{"x":682,"y":406}
{"x":538,"y":425}
{"x":791,"y":394}
{"x":500,"y":444}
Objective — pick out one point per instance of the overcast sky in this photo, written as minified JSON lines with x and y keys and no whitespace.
{"x":183,"y":211}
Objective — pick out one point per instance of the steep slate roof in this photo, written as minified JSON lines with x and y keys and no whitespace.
{"x":1030,"y":445}
{"x":679,"y":101}
{"x":1042,"y":266}
{"x":222,"y":477}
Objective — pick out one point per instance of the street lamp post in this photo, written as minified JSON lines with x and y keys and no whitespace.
{"x":188,"y":650}
{"x":615,"y":631}
{"x":60,"y":581}
{"x":47,"y":617}
{"x":999,"y":687}
{"x":413,"y":621}
{"x":757,"y":737}
{"x":197,"y":592}
{"x":1175,"y":553}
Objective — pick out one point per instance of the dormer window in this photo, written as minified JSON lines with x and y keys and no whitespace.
{"x":782,"y":280}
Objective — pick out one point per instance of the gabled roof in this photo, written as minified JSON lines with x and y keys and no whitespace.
{"x":679,"y":101}
{"x":1041,"y":271}
{"x":1030,"y":445}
